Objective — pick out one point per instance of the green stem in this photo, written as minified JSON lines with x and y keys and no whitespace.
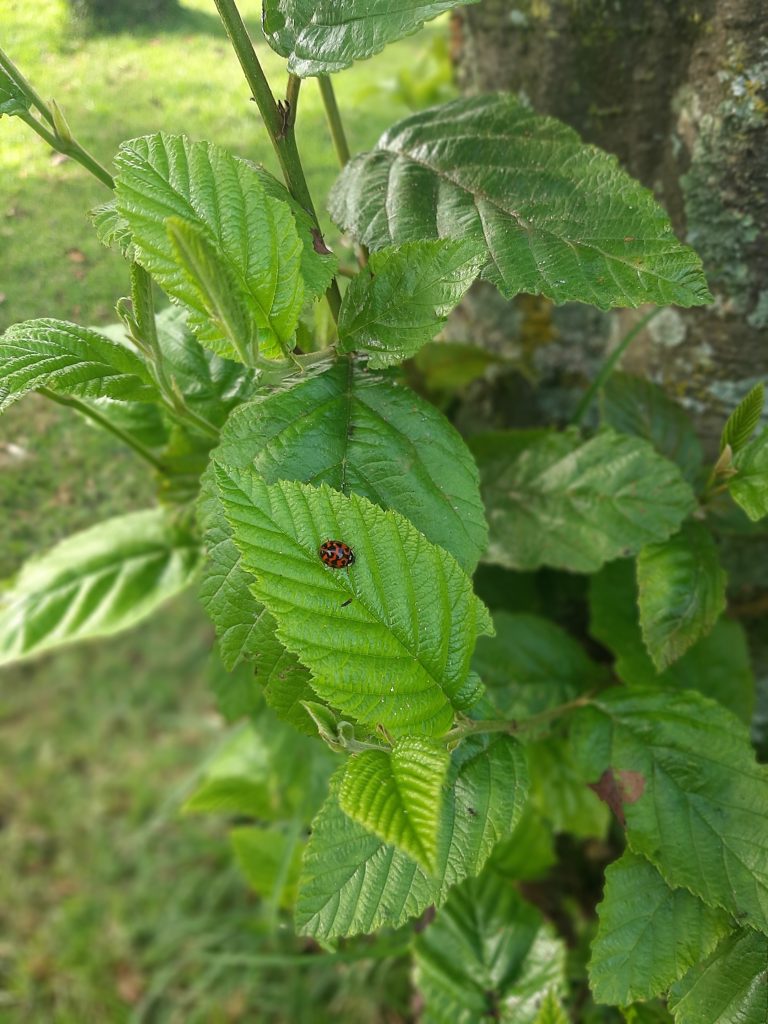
{"x":512,"y":726}
{"x":72,"y":149}
{"x":333,"y":115}
{"x":26,"y":87}
{"x":382,"y":952}
{"x":279,"y":125}
{"x":610,"y":365}
{"x":102,"y":421}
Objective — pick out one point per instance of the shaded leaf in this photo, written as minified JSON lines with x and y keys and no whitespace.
{"x":270,"y":859}
{"x":395,"y":655}
{"x":749,"y":488}
{"x":681,"y":592}
{"x":352,"y":883}
{"x":560,"y":791}
{"x":529,"y":852}
{"x":401,"y":299}
{"x":743,"y":421}
{"x":95,"y":583}
{"x":649,"y":934}
{"x":560,"y":501}
{"x":556,"y":217}
{"x":729,"y":987}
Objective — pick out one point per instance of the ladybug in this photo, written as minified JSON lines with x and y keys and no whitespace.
{"x":336,"y":554}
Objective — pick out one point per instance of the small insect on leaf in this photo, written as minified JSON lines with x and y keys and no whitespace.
{"x":336,"y":554}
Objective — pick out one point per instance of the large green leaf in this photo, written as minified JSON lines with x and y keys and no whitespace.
{"x":70,"y":360}
{"x":681,"y":770}
{"x":488,"y":956}
{"x":557,"y":500}
{"x":729,"y":987}
{"x":319,"y":38}
{"x":560,"y":792}
{"x":718,"y":665}
{"x":402,"y":298}
{"x":397,"y":795}
{"x":744,"y":419}
{"x":251,"y":234}
{"x":389,"y":639}
{"x":749,"y":488}
{"x":353,"y":883}
{"x":531,"y":664}
{"x":357,"y":432}
{"x":635,"y":405}
{"x":681,"y":592}
{"x":556,"y":217}
{"x":95,"y":583}
{"x":649,"y":934}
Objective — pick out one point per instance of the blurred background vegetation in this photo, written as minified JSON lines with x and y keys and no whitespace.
{"x":113,"y":907}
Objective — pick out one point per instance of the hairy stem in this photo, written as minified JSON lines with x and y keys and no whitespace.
{"x":510,"y":725}
{"x":333,"y":115}
{"x":279,"y":121}
{"x":102,"y":421}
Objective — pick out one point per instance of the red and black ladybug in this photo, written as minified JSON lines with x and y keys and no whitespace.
{"x":336,"y":554}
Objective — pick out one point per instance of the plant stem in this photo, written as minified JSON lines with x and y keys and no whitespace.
{"x":610,"y":365}
{"x":70,"y":148}
{"x":279,"y":124}
{"x":102,"y":421}
{"x":377,"y":952}
{"x":26,"y":87}
{"x":333,"y":115}
{"x":512,"y":726}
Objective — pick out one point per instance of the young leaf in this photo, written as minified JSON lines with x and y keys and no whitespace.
{"x":649,"y":934}
{"x":729,"y":987}
{"x":635,"y":405}
{"x":13,"y":99}
{"x":681,"y":771}
{"x":398,"y":795}
{"x":742,"y":422}
{"x":531,"y":665}
{"x":487,"y":956}
{"x":320,"y":38}
{"x":402,"y":298}
{"x":555,"y":217}
{"x":70,"y":360}
{"x":560,"y":501}
{"x":111,"y":229}
{"x":718,"y":665}
{"x":552,"y":1011}
{"x":749,"y":488}
{"x":352,"y":883}
{"x":95,"y":583}
{"x":681,"y":592}
{"x":253,"y":235}
{"x":388,"y":640}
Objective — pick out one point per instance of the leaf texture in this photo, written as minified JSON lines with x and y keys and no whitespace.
{"x":556,"y":217}
{"x":69,"y":360}
{"x":744,"y":419}
{"x":749,"y":488}
{"x":388,"y":640}
{"x":95,"y":583}
{"x":319,"y":38}
{"x":560,"y":501}
{"x":729,"y":987}
{"x":352,"y":883}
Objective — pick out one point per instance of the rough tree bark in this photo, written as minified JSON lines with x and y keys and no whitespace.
{"x":678,"y":90}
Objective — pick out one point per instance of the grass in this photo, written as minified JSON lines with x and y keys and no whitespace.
{"x":112,"y":908}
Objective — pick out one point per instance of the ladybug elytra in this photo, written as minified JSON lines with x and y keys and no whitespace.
{"x":336,"y":554}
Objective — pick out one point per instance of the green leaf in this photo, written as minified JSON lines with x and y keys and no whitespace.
{"x":529,"y":852}
{"x":555,"y":217}
{"x":95,"y":583}
{"x":652,"y":1012}
{"x":402,"y":298}
{"x":749,"y":488}
{"x":730,"y":987}
{"x":681,"y":592}
{"x":13,"y":99}
{"x":718,"y":665}
{"x":270,"y":859}
{"x":320,"y":38}
{"x":398,"y":795}
{"x":559,"y":790}
{"x":552,"y":1011}
{"x":352,"y":883}
{"x":531,"y":665}
{"x":112,"y":229}
{"x":742,"y":422}
{"x":681,"y":770}
{"x":69,"y":360}
{"x":649,"y":934}
{"x":560,"y":501}
{"x":635,"y":405}
{"x":251,"y":233}
{"x":488,"y":956}
{"x":218,"y":292}
{"x":388,"y":640}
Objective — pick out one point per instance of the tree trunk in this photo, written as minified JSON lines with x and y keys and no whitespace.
{"x":678,"y":90}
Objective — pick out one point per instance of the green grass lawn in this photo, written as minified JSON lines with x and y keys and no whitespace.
{"x":112,"y":907}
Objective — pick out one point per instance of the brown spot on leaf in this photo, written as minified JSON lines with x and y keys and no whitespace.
{"x":318,"y":243}
{"x":619,"y":788}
